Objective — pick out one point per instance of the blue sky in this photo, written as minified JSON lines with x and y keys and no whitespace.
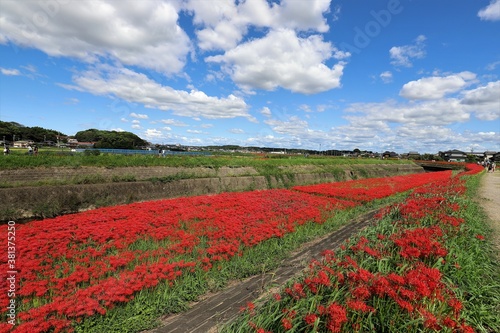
{"x":396,"y":75}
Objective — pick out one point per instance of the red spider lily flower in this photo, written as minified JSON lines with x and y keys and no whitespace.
{"x":261,"y":330}
{"x":296,"y":291}
{"x":404,"y":304}
{"x":337,"y":316}
{"x":456,"y":305}
{"x":310,"y":318}
{"x":361,"y":292}
{"x":357,"y":305}
{"x":430,"y":321}
{"x":321,"y":279}
{"x":448,"y":322}
{"x":466,"y":328}
{"x":287,"y":324}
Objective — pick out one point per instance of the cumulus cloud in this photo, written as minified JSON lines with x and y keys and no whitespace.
{"x":490,"y":12}
{"x":222,"y":27}
{"x":484,"y":101}
{"x":223,"y":24}
{"x":303,"y":15}
{"x":140,"y":33}
{"x":282,"y":59}
{"x":138,"y":88}
{"x":403,"y":55}
{"x":436,"y":87}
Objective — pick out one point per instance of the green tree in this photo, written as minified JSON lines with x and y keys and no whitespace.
{"x":110,"y":139}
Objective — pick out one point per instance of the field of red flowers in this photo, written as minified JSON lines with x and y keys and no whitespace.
{"x":76,"y":266}
{"x":401,"y":274}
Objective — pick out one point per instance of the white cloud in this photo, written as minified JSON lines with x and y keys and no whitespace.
{"x":10,"y":72}
{"x":436,"y":87}
{"x":72,"y":101}
{"x":30,"y":68}
{"x":236,"y":131}
{"x":297,"y":131}
{"x":490,"y":12}
{"x":336,"y":12}
{"x":194,"y":131}
{"x":173,"y":122}
{"x":403,"y":55}
{"x":303,"y":15}
{"x":265,"y":111}
{"x":282,"y":59}
{"x":493,"y":65}
{"x":305,"y":108}
{"x":386,"y":76}
{"x":484,"y":101}
{"x":138,"y":115}
{"x":224,"y":23}
{"x":152,"y":134}
{"x":138,"y":88}
{"x":438,"y":112}
{"x":140,"y":33}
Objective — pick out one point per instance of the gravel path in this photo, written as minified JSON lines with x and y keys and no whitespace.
{"x":489,"y":196}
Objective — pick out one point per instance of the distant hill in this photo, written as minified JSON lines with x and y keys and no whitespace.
{"x":13,"y":131}
{"x":111,"y":139}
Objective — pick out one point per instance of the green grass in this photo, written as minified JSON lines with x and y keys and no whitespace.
{"x":57,"y":158}
{"x":479,"y":276}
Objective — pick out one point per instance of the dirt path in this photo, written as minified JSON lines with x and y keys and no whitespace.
{"x":206,"y":315}
{"x":489,"y":195}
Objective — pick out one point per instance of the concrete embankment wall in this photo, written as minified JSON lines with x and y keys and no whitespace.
{"x":35,"y":193}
